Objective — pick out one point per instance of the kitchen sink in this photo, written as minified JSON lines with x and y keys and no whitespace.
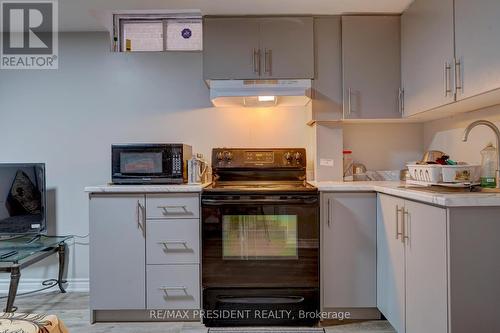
{"x":451,"y":190}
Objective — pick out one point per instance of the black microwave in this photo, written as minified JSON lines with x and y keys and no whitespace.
{"x":154,"y":163}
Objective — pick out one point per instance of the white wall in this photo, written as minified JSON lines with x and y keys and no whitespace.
{"x":446,"y":135}
{"x":384,"y":146}
{"x":68,"y":118}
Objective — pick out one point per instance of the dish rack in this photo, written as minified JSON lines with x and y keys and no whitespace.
{"x":460,"y":175}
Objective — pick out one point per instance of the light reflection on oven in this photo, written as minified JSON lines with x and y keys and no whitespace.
{"x":259,"y":237}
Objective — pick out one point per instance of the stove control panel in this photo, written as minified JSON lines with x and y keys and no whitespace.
{"x":259,"y":158}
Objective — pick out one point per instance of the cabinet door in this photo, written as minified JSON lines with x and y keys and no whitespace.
{"x":477,"y":36}
{"x":327,"y":83}
{"x":287,"y":47}
{"x":426,"y":267}
{"x":349,"y":250}
{"x":427,"y":49}
{"x":117,"y":252}
{"x":371,"y":66}
{"x":390,"y":261}
{"x":229,"y":48}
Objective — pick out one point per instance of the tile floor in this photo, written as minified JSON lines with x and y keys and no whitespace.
{"x":72,"y":308}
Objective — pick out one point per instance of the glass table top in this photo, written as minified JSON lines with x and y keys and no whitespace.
{"x":17,"y":248}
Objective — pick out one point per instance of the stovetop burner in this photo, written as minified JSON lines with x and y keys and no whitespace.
{"x":259,"y":170}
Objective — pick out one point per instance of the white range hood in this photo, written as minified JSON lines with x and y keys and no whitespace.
{"x":260,"y":93}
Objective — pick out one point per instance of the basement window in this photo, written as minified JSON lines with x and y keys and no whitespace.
{"x":157,"y":33}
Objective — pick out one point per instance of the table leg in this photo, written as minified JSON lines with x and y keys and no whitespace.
{"x":15,"y":275}
{"x":62,"y":263}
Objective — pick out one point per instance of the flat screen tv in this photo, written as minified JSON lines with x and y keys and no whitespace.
{"x":22,"y":198}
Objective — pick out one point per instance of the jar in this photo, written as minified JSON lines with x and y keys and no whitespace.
{"x":489,"y":166}
{"x":348,"y":166}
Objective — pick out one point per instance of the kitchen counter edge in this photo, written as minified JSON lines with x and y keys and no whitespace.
{"x":174,"y":188}
{"x":395,"y":188}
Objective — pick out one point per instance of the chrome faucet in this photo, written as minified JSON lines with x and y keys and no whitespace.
{"x":497,"y":133}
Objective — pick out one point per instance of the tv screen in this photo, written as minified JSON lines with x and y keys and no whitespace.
{"x":22,"y":198}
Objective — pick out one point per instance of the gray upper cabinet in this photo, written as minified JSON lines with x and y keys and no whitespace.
{"x":117,"y":252}
{"x":230,"y":48}
{"x":287,"y":47}
{"x":371,"y":66}
{"x":327,"y":83}
{"x":258,"y":48}
{"x":427,"y":52}
{"x":477,"y":40}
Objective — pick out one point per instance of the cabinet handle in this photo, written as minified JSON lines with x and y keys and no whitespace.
{"x":447,"y":78}
{"x":403,"y":226}
{"x":166,"y":243}
{"x":401,"y":93}
{"x":255,"y":59}
{"x":458,"y":75}
{"x":182,"y":207}
{"x":173,"y":288}
{"x":349,"y":101}
{"x":398,"y":210}
{"x":141,"y":217}
{"x":268,"y":61}
{"x":328,"y":220}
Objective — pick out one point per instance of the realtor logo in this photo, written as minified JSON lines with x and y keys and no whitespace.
{"x":29,"y":34}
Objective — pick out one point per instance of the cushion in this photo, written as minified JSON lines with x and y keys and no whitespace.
{"x":30,"y":323}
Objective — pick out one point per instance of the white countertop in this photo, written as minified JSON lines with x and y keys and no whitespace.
{"x":395,"y":188}
{"x":145,"y":188}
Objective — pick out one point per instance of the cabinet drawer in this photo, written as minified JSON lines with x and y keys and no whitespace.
{"x":173,"y":241}
{"x":172,"y":206}
{"x":173,"y":287}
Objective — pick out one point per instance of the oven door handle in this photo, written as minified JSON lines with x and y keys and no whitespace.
{"x":261,"y":300}
{"x":215,"y":202}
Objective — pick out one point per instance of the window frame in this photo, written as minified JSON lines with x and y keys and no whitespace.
{"x":120,"y":19}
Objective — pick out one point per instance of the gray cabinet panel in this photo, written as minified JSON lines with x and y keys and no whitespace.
{"x":117,"y":252}
{"x":426,"y":48}
{"x":477,"y":45}
{"x":371,"y":66}
{"x":287,"y":47}
{"x":173,"y":206}
{"x":173,"y":241}
{"x":426,"y":270}
{"x":349,"y":250}
{"x":390,"y":261}
{"x":173,"y":287}
{"x":228,"y":48}
{"x":327,"y":83}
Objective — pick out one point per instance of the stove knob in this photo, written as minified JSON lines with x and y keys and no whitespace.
{"x":298,"y":156}
{"x":220,"y":156}
{"x":228,"y":155}
{"x":288,"y":157}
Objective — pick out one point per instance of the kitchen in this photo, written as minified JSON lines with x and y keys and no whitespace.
{"x":98,"y":98}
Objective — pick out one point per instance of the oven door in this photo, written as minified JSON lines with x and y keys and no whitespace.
{"x":141,"y":163}
{"x":255,"y":241}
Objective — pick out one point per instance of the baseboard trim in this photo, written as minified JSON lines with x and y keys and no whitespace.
{"x":30,"y":284}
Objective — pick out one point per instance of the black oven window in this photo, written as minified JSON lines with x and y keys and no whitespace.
{"x":141,"y":163}
{"x":259,"y":237}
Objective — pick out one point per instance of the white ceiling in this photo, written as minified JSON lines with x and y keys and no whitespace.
{"x":81,"y":15}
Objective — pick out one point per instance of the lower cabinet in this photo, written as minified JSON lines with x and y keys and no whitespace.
{"x":412,"y":288}
{"x":144,"y":252}
{"x":117,"y":252}
{"x":348,"y":264}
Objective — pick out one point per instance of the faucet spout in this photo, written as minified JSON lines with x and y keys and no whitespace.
{"x":497,"y":134}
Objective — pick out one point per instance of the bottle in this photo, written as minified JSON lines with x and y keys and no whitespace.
{"x":489,"y":166}
{"x":348,"y":166}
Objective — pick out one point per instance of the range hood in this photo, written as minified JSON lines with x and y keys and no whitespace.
{"x":260,"y":93}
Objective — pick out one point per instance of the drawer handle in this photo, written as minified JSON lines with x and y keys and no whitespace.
{"x":183,"y":208}
{"x":166,"y":289}
{"x":166,"y":243}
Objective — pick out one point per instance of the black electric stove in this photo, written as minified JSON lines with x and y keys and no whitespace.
{"x":260,"y":235}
